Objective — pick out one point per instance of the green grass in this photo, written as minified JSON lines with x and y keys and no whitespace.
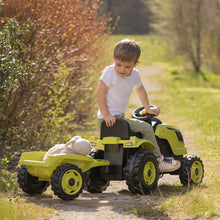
{"x":192,"y":104}
{"x":147,"y":211}
{"x":18,"y":209}
{"x":12,"y":206}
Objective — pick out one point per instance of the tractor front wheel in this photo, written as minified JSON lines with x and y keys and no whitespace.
{"x":192,"y":171}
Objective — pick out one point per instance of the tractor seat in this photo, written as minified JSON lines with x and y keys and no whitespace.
{"x":120,"y":129}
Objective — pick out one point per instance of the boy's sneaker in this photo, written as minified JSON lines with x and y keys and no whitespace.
{"x":168,"y":164}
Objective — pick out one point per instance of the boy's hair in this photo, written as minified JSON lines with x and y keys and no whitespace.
{"x":127,"y":50}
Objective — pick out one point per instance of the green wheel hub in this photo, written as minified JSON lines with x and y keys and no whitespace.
{"x":149,"y":173}
{"x":196,"y":172}
{"x":71,"y":182}
{"x":192,"y":171}
{"x":141,"y":172}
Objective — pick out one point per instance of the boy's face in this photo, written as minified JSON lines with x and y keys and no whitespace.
{"x":123,"y":68}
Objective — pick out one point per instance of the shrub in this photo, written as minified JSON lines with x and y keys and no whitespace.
{"x":56,"y":45}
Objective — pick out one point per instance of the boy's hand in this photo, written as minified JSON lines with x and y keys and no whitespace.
{"x":154,"y":111}
{"x":109,"y":120}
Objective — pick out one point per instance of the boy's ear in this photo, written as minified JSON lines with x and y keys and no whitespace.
{"x":137,"y":63}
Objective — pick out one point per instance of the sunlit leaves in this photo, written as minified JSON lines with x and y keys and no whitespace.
{"x":61,"y":43}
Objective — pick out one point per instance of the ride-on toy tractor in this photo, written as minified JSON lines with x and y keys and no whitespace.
{"x":119,"y":154}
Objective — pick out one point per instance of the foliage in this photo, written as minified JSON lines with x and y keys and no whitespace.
{"x":54,"y":48}
{"x":8,"y":180}
{"x":10,"y":67}
{"x":11,"y":70}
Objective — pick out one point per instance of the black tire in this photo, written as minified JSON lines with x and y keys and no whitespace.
{"x":30,"y":184}
{"x":192,"y":171}
{"x":95,"y":183}
{"x":142,"y":172}
{"x":67,"y":182}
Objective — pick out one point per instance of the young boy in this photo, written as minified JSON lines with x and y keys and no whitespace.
{"x":115,"y":87}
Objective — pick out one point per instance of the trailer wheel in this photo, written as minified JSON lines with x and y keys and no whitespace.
{"x":67,"y":182}
{"x":30,"y":184}
{"x":142,"y":172}
{"x":192,"y":171}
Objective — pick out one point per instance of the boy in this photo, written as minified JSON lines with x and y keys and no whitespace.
{"x":115,"y":87}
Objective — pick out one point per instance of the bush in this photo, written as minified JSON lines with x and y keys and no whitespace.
{"x":54,"y":48}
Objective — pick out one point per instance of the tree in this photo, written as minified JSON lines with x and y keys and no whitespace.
{"x":134,"y":16}
{"x":184,"y":27}
{"x":212,"y":35}
{"x":192,"y":29}
{"x":59,"y":45}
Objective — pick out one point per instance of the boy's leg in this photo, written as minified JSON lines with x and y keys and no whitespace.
{"x":165,"y":165}
{"x":146,"y":130}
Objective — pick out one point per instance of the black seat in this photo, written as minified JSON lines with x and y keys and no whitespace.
{"x":120,"y":129}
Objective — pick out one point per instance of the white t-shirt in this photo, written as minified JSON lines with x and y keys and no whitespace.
{"x":119,"y":89}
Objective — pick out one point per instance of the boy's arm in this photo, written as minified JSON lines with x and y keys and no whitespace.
{"x":142,"y":94}
{"x":102,"y":102}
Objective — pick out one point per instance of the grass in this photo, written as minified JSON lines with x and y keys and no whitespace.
{"x":146,"y":211}
{"x":12,"y":205}
{"x":18,"y":209}
{"x":192,"y":104}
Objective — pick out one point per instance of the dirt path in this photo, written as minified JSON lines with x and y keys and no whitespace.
{"x":112,"y":203}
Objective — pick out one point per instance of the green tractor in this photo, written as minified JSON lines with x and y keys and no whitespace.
{"x":119,"y":154}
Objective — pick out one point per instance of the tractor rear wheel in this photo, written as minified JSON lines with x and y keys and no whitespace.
{"x":142,"y":172}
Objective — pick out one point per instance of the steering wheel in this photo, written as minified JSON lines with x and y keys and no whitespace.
{"x":141,"y":114}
